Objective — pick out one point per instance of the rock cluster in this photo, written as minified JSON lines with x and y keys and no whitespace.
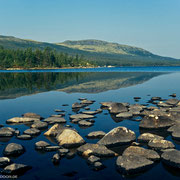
{"x":133,"y":156}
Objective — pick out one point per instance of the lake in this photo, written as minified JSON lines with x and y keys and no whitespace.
{"x":43,"y":91}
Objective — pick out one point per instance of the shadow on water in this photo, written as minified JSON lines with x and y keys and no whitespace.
{"x":14,"y":85}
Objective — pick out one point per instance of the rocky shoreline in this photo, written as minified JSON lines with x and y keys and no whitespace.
{"x":134,"y":154}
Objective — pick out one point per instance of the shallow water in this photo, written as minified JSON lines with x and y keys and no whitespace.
{"x":42,"y":92}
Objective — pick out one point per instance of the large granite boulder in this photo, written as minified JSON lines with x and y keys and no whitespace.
{"x":156,"y":122}
{"x":133,"y":164}
{"x":69,"y":138}
{"x":139,"y":151}
{"x":13,"y":149}
{"x":118,"y":136}
{"x":171,"y":158}
{"x":116,"y":108}
{"x":146,"y":137}
{"x":6,"y":132}
{"x":54,"y":130}
{"x":95,"y":149}
{"x":15,"y":169}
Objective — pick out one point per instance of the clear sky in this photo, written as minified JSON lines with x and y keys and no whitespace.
{"x":151,"y":24}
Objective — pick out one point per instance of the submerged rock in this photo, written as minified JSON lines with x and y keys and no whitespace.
{"x":32,"y":132}
{"x":90,"y":112}
{"x":96,"y":135}
{"x":85,"y":123}
{"x":133,"y":164}
{"x":32,"y":115}
{"x":173,"y":95}
{"x":124,"y":115}
{"x":53,"y":120}
{"x":173,"y":128}
{"x":69,"y":138}
{"x":77,"y":105}
{"x":62,"y":152}
{"x":160,"y":145}
{"x":4,"y":161}
{"x":156,"y":98}
{"x":118,"y":136}
{"x":95,"y":149}
{"x":22,"y":120}
{"x":13,"y":149}
{"x":92,"y":159}
{"x":24,"y":137}
{"x":59,"y":110}
{"x":81,"y":116}
{"x":75,"y":121}
{"x":56,"y":158}
{"x":106,"y":104}
{"x":52,"y":148}
{"x":176,"y":135}
{"x":17,"y":132}
{"x":41,"y":145}
{"x":156,"y":122}
{"x":116,"y":108}
{"x":39,"y":125}
{"x":98,"y":166}
{"x":87,"y":102}
{"x":146,"y":137}
{"x":15,"y":169}
{"x":139,"y":151}
{"x":171,"y":158}
{"x":173,"y":102}
{"x":6,"y":132}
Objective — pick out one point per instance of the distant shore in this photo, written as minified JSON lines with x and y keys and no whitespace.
{"x":51,"y":68}
{"x":9,"y":69}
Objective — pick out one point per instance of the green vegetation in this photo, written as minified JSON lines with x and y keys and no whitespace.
{"x":99,"y":52}
{"x":46,"y":58}
{"x":106,"y":47}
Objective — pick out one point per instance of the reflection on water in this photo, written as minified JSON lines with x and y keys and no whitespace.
{"x":93,"y":86}
{"x":14,"y":85}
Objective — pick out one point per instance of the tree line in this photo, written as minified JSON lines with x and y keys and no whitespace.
{"x":47,"y":58}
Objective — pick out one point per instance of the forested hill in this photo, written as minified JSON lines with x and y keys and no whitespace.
{"x":98,"y":52}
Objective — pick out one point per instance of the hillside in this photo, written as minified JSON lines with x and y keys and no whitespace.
{"x":100,"y":52}
{"x":106,"y":47}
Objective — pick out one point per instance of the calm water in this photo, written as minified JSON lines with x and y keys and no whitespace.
{"x":42,"y":92}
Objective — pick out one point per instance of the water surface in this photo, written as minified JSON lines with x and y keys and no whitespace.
{"x":42,"y":92}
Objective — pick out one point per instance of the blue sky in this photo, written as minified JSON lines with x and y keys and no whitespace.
{"x":151,"y":24}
